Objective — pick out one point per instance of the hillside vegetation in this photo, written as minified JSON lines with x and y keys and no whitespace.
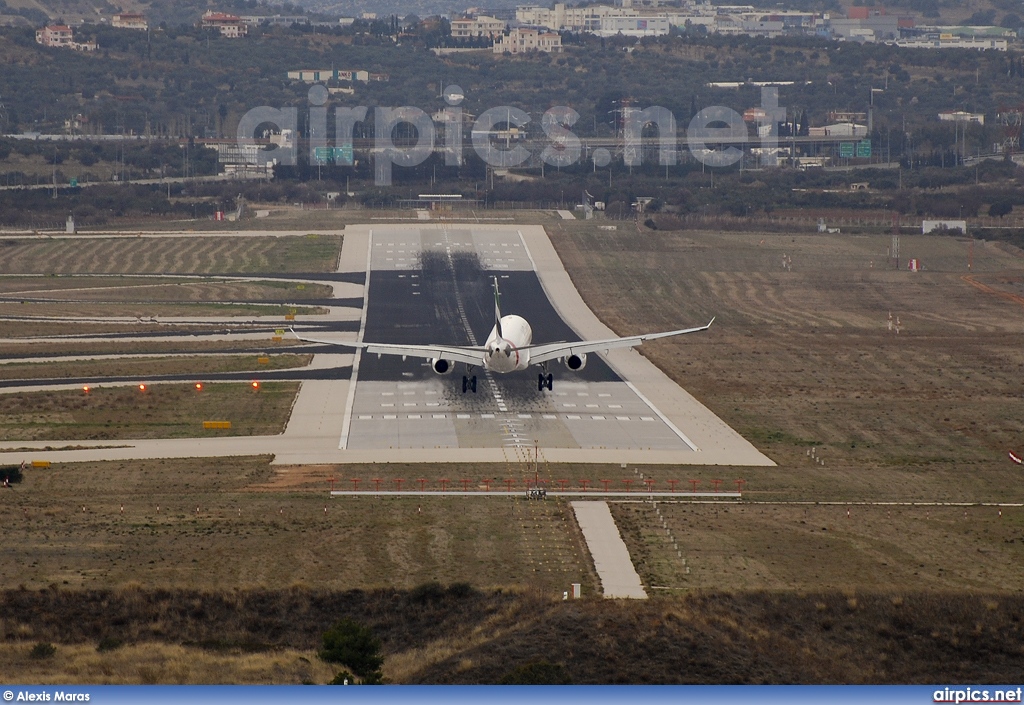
{"x":433,"y":634}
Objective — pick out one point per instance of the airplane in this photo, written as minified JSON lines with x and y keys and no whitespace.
{"x":509,"y":348}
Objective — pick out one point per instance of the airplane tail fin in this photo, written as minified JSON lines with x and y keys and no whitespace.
{"x":497,"y":308}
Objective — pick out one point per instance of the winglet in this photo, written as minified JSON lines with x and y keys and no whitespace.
{"x":711,"y":321}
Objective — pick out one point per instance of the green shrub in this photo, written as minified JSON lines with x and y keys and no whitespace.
{"x":42,"y":650}
{"x":109,"y":643}
{"x":355,"y":646}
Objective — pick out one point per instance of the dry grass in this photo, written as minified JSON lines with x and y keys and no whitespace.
{"x":151,"y":366}
{"x":144,"y":309}
{"x":246,"y":538}
{"x":457,"y":635}
{"x":156,"y":289}
{"x":814,"y":547}
{"x":200,"y":255}
{"x":153,"y":662}
{"x":162,"y":411}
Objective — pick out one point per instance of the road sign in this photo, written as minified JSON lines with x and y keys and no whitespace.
{"x":343,"y":154}
{"x":74,"y":182}
{"x":846,"y":149}
{"x":323,"y":154}
{"x":864,"y":148}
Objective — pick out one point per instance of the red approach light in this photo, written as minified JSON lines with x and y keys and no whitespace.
{"x":142,"y":387}
{"x":255,"y":384}
{"x":199,"y":386}
{"x":85,"y":389}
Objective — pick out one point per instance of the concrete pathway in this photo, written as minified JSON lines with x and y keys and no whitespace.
{"x":619,"y":578}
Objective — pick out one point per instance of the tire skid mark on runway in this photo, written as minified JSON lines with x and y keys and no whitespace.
{"x":509,"y":431}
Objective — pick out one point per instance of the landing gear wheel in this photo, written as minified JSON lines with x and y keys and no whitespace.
{"x":545,"y":382}
{"x":469,"y":384}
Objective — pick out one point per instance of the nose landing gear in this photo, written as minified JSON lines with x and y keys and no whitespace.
{"x":469,"y":384}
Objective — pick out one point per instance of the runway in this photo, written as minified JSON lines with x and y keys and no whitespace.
{"x":431,"y":282}
{"x":434,"y":286}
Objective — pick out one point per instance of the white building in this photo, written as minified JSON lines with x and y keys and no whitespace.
{"x":961,"y":116}
{"x":632,"y":26}
{"x":522,"y":40}
{"x":575,"y":19}
{"x":59,"y":35}
{"x":130,"y":20}
{"x":951,"y":42}
{"x":230,"y":26}
{"x":481,"y":26}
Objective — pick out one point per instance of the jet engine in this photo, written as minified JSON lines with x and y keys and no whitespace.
{"x":576,"y":362}
{"x":442,"y":366}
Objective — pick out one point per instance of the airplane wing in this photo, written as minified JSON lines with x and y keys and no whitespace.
{"x":555,"y":351}
{"x":469,"y":355}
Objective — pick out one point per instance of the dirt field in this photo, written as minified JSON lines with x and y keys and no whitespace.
{"x":245,"y":535}
{"x":805,"y":359}
{"x":230,"y":255}
{"x":90,"y":287}
{"x":153,"y":366}
{"x":162,"y":411}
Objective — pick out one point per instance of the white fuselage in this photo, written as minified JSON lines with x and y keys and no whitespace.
{"x":508,"y":353}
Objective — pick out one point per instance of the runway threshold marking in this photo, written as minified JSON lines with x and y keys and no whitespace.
{"x":346,"y":424}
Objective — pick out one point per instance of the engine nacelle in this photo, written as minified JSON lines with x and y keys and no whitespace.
{"x":576,"y":362}
{"x":442,"y":366}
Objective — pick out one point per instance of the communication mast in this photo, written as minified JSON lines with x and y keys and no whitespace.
{"x":894,"y":252}
{"x":1011,"y":118}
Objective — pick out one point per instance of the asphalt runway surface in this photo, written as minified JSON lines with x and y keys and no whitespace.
{"x":435,"y":286}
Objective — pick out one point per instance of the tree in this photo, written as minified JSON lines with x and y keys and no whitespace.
{"x":1000,"y":208}
{"x":355,"y":646}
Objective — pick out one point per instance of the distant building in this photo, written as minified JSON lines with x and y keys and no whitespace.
{"x":629,"y":26}
{"x":286,"y":20}
{"x":521,"y":40}
{"x":951,"y":42}
{"x":481,"y":26}
{"x":576,"y":19}
{"x":59,"y":35}
{"x":324,"y":75}
{"x":961,"y":116}
{"x":928,"y":226}
{"x":230,"y":26}
{"x":846,"y":129}
{"x":130,"y":20}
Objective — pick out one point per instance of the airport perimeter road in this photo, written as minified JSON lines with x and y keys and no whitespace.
{"x":614,"y":567}
{"x":431,"y":282}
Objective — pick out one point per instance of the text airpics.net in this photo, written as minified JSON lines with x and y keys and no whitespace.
{"x":977,"y":695}
{"x":715,"y":125}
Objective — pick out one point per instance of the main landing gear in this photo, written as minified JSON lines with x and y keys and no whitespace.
{"x":469,"y":384}
{"x":545,"y":381}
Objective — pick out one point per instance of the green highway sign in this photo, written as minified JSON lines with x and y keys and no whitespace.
{"x":864,"y":148}
{"x":846,"y":149}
